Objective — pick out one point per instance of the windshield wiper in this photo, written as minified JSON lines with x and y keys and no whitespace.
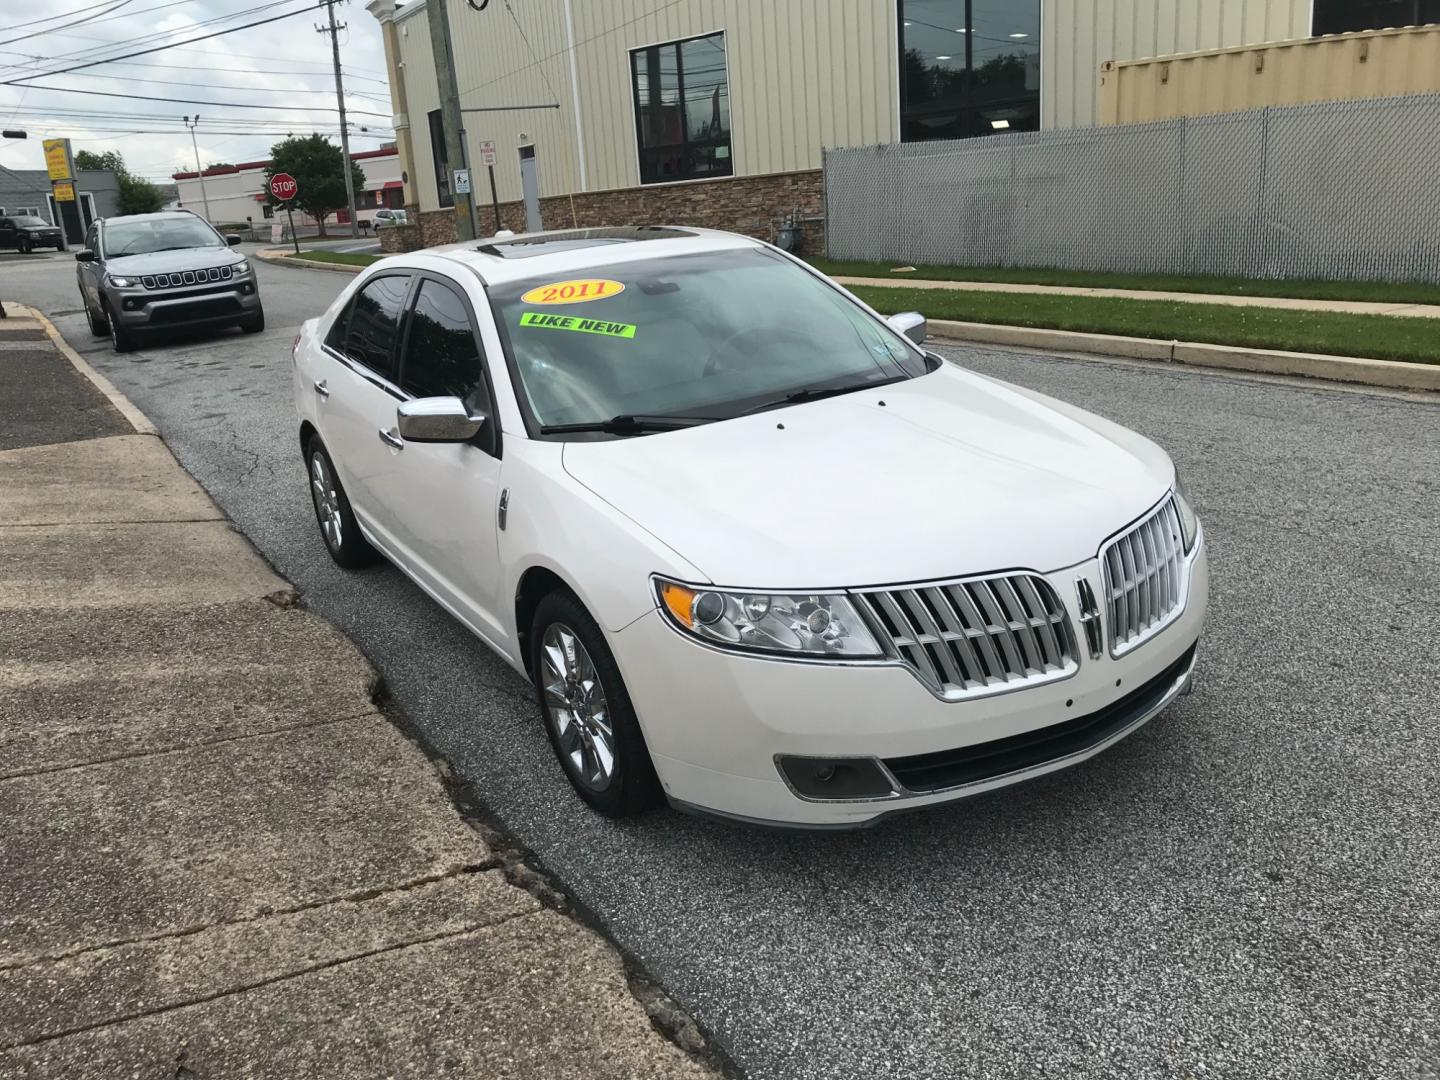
{"x":628,"y":425}
{"x":815,"y":393}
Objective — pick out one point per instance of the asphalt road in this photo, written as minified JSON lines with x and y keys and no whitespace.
{"x":1249,"y":887}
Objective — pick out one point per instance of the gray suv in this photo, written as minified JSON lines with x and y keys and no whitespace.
{"x":171,"y":270}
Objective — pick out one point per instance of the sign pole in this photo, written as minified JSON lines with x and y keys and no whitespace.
{"x":293,"y":238}
{"x":494,"y":198}
{"x":284,"y":188}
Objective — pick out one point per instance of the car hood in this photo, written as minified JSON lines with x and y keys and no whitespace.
{"x":945,"y":475}
{"x":167,"y":262}
{"x":39,"y":228}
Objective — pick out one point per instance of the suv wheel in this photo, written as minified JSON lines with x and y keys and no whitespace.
{"x":123,"y":340}
{"x":25,"y":247}
{"x":253,"y":324}
{"x":588,"y":715}
{"x":98,"y":324}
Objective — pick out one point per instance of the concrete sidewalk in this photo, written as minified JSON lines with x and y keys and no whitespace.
{"x":217,"y":857}
{"x":1345,"y":307}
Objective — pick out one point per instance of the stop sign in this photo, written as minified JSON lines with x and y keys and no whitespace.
{"x":283,"y":186}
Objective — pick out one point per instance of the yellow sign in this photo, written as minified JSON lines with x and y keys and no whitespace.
{"x":64,"y":191}
{"x":573,"y":292}
{"x":57,"y":159}
{"x":579,"y":325}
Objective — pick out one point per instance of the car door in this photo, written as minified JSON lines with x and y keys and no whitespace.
{"x":441,"y":499}
{"x":9,"y":235}
{"x":356,"y":415}
{"x":87,"y":273}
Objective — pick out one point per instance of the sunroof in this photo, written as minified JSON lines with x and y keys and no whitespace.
{"x":577,"y":239}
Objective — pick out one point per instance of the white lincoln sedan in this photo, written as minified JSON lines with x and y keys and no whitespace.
{"x":760,"y":554}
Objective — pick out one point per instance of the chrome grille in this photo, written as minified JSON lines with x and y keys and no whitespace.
{"x":1145,"y":578}
{"x":980,"y":636}
{"x":187,"y":277}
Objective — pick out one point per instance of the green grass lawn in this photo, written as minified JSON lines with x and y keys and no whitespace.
{"x":1373,"y":291}
{"x":345,"y":258}
{"x":1380,"y":337}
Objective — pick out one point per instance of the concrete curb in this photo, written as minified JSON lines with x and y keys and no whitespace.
{"x":1390,"y":374}
{"x":287,"y":258}
{"x":122,"y":404}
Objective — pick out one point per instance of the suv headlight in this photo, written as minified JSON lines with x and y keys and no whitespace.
{"x":121,"y":282}
{"x":1189,"y":523}
{"x":782,"y":624}
{"x":241,"y":267}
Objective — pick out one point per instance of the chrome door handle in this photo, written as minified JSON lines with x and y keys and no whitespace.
{"x":321,"y":388}
{"x":390,"y":439}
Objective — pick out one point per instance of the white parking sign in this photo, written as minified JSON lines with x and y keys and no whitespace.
{"x":462,"y":181}
{"x":487,"y":154}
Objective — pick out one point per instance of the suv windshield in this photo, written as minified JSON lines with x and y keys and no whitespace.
{"x":159,"y":234}
{"x":711,"y":336}
{"x":27,"y":221}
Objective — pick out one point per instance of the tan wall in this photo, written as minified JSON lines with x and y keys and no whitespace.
{"x":804,"y":74}
{"x":1077,"y":36}
{"x":1342,"y":67}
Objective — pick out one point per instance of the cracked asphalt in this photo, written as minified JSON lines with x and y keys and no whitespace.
{"x":1250,"y":886}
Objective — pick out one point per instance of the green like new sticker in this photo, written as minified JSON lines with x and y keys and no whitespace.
{"x":579,"y":325}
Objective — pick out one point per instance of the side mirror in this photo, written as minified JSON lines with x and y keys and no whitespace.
{"x":233,"y":240}
{"x":84,"y":255}
{"x":437,"y":420}
{"x":912,"y":324}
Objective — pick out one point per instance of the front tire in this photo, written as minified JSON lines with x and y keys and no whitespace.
{"x":253,"y":324}
{"x":123,"y":340}
{"x":338,"y":527}
{"x":25,"y":247}
{"x":587,"y":711}
{"x":98,"y":325}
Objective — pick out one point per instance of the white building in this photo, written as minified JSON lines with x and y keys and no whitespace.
{"x":237,"y":194}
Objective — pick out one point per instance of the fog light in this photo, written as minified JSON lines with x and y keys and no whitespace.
{"x":835,"y":778}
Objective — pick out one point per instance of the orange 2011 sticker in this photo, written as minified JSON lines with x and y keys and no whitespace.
{"x":574,"y":292}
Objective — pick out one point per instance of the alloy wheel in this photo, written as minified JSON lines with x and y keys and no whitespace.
{"x":327,"y":500}
{"x":576,"y":705}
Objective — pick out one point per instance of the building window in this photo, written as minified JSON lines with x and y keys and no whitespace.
{"x":682,"y":110}
{"x":968,"y":67}
{"x":442,"y":159}
{"x":1347,"y":16}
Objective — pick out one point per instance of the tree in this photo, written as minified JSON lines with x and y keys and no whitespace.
{"x":111,"y":159}
{"x":218,"y":165}
{"x":316,"y":164}
{"x":137,"y":195}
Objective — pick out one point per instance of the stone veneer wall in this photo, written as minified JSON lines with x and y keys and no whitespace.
{"x":753,"y":205}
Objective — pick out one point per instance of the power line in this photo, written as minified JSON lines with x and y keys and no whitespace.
{"x":161,"y":48}
{"x":107,"y":44}
{"x":189,"y":101}
{"x":116,"y":5}
{"x":206,"y":67}
{"x":218,"y":86}
{"x":569,"y":48}
{"x":62,"y":15}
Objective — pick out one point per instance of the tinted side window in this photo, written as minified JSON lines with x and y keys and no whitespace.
{"x":442,"y":358}
{"x":374,"y":320}
{"x":91,"y":237}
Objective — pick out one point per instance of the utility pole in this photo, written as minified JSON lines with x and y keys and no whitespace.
{"x":450,"y":117}
{"x":334,"y":31}
{"x":190,"y":122}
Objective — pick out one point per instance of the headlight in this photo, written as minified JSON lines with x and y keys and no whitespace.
{"x":1189,"y":523}
{"x":122,"y":282}
{"x":242,"y":267}
{"x":793,"y":624}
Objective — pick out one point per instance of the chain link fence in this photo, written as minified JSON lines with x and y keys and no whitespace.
{"x":1336,"y":190}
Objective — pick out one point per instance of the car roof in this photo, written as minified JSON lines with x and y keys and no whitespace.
{"x":513,"y":257}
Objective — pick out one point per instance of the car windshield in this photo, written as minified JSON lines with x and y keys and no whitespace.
{"x":29,"y":222}
{"x":159,"y":234}
{"x":712,"y":335}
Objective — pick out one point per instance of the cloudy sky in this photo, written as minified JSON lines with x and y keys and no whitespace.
{"x":250,"y":88}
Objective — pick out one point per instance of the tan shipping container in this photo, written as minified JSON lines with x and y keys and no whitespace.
{"x":1339,"y":67}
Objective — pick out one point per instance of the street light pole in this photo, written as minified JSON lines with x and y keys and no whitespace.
{"x":334,"y":32}
{"x":204,"y":195}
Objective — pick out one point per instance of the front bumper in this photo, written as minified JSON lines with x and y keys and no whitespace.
{"x":213,"y":305}
{"x":716,"y":722}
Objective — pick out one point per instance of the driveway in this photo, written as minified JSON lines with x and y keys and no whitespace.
{"x":1247,"y":887}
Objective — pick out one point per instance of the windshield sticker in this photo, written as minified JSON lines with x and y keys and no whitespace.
{"x":577,"y":324}
{"x":573,"y":292}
